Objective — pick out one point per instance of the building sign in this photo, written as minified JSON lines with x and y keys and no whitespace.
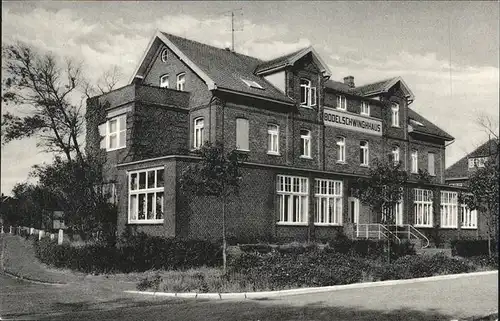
{"x":335,"y":118}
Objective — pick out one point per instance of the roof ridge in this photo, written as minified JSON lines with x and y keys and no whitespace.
{"x":376,"y":82}
{"x":211,"y":46}
{"x":288,"y":54}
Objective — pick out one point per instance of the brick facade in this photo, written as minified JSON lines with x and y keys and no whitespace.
{"x":160,"y":134}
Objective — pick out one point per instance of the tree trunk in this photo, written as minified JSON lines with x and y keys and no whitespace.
{"x":224,"y":234}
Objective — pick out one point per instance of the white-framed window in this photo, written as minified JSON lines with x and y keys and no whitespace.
{"x":307,"y":93}
{"x":477,"y":162}
{"x":395,"y":114}
{"x":181,"y":81}
{"x":449,"y":209}
{"x":365,"y":108}
{"x":305,"y":143}
{"x":422,"y":206}
{"x":363,"y":153}
{"x":414,"y":161}
{"x":114,"y":133}
{"x":164,"y":55}
{"x":273,"y":139}
{"x":341,"y":149}
{"x":145,"y":200}
{"x":293,"y":199}
{"x":341,"y":102}
{"x":328,"y":202}
{"x":198,"y":125}
{"x":395,"y":154}
{"x":469,"y":217}
{"x":242,"y":128}
{"x":430,"y":164}
{"x":164,"y":81}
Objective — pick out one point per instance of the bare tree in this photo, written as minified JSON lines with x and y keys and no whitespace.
{"x":489,"y":126}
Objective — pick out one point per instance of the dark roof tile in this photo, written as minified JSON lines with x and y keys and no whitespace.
{"x":461,"y":167}
{"x":428,"y":128}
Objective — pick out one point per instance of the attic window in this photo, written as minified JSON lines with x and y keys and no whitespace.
{"x":413,"y":121}
{"x":164,"y":55}
{"x":251,"y":83}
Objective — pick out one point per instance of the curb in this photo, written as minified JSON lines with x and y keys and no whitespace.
{"x":16,"y":276}
{"x":268,"y":294}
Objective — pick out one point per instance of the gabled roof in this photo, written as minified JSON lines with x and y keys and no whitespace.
{"x":220,"y":69}
{"x":428,"y":128}
{"x":383,"y":86}
{"x":290,"y":59}
{"x":461,"y":167}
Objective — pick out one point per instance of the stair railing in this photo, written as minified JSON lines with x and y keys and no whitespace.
{"x":410,"y":231}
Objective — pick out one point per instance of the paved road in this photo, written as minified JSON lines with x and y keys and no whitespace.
{"x":439,"y":300}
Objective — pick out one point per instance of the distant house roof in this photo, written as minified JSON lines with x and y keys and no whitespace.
{"x":340,"y":86}
{"x":461,"y":167}
{"x":428,"y":127}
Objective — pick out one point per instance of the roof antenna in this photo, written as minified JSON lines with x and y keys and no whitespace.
{"x":233,"y":29}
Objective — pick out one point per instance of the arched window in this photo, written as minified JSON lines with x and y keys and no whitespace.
{"x":181,"y":80}
{"x":305,"y":143}
{"x":395,"y":114}
{"x":307,"y":93}
{"x":340,"y":149}
{"x":395,"y":154}
{"x":273,"y":134}
{"x":164,"y":81}
{"x":198,"y":132}
{"x":363,"y":153}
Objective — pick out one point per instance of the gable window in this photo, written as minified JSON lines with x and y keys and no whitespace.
{"x":422,"y":206}
{"x":273,"y":134}
{"x":328,"y":202}
{"x":449,"y":209}
{"x":341,"y":149}
{"x":414,"y":161}
{"x":145,"y":201}
{"x":305,"y":143}
{"x":164,"y":81}
{"x":477,"y":162}
{"x":114,"y":133}
{"x":365,"y":108}
{"x":198,"y":133}
{"x":395,"y":155}
{"x":164,"y":55}
{"x":430,"y":163}
{"x":307,"y":93}
{"x":181,"y":80}
{"x":469,"y":217}
{"x":363,"y":153}
{"x":293,"y":199}
{"x":242,"y":134}
{"x":341,"y":103}
{"x":395,"y":114}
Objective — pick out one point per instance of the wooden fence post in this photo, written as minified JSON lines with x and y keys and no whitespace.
{"x":10,"y":230}
{"x":40,"y":234}
{"x":60,"y":237}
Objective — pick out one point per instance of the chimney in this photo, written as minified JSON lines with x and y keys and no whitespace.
{"x":349,"y":80}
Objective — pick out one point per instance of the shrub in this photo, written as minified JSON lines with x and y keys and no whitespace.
{"x":485,"y":261}
{"x":467,"y":248}
{"x":261,"y":248}
{"x":136,"y":254}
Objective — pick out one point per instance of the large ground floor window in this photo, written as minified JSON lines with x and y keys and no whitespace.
{"x":145,"y":190}
{"x":469,"y":217}
{"x":328,"y":202}
{"x":449,"y":209}
{"x":293,"y":199}
{"x":422,"y":207}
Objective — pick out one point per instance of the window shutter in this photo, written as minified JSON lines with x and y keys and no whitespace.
{"x":313,"y":96}
{"x":102,"y":134}
{"x":242,"y":133}
{"x":430,"y":159}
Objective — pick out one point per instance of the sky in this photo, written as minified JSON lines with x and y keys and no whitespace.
{"x":368,"y":40}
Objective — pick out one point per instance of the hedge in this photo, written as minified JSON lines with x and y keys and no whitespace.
{"x":467,"y":248}
{"x":135,"y":254}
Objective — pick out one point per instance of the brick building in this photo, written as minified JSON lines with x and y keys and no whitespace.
{"x":308,"y":138}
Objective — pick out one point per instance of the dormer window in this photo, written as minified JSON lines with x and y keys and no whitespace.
{"x":181,"y":80}
{"x":365,"y":108}
{"x":341,"y":103}
{"x":307,"y":93}
{"x":251,"y":83}
{"x":164,"y":81}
